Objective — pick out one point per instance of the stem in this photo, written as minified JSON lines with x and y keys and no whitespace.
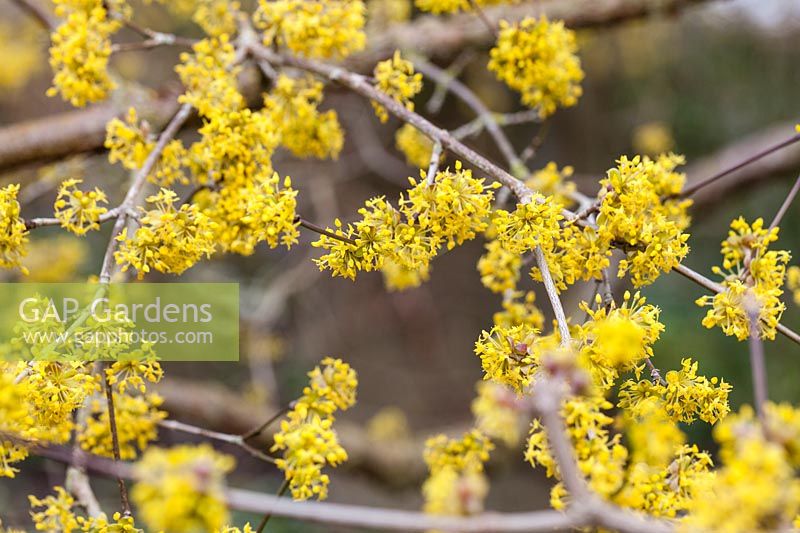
{"x":112,"y":422}
{"x":256,"y":431}
{"x":757,"y":364}
{"x":486,"y":22}
{"x":138,"y":182}
{"x":752,"y":159}
{"x":281,"y":492}
{"x":322,"y":231}
{"x":236,"y":440}
{"x":433,"y":168}
{"x":552,"y":294}
{"x":786,"y":203}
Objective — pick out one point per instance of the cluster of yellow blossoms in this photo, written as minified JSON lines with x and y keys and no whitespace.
{"x":396,"y":78}
{"x":639,"y":214}
{"x":313,"y":28}
{"x":537,"y":59}
{"x":79,"y":211}
{"x":182,"y":489}
{"x":451,"y":6}
{"x":752,"y":284}
{"x":307,"y":438}
{"x":169,"y":239}
{"x":13,"y":232}
{"x":80,"y":50}
{"x":456,"y":484}
{"x":402,"y":241}
{"x":58,"y":514}
{"x":415,"y":146}
{"x":305,"y":131}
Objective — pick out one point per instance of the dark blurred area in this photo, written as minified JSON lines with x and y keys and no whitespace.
{"x":695,"y":83}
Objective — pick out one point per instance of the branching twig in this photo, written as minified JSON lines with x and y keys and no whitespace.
{"x":112,"y":423}
{"x":752,"y":159}
{"x":786,"y":203}
{"x":281,"y":492}
{"x":236,"y":440}
{"x":322,"y":231}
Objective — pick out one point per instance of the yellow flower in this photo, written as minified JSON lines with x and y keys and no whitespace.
{"x":81,"y":47}
{"x":305,"y":130}
{"x":506,"y":356}
{"x":685,"y":396}
{"x":137,"y":419}
{"x":313,"y":28}
{"x":752,"y":284}
{"x":307,"y":438}
{"x":537,"y":58}
{"x":415,"y":145}
{"x":638,"y":214}
{"x":128,"y":142}
{"x":19,"y":53}
{"x":519,"y":311}
{"x":209,"y":75}
{"x":182,"y":489}
{"x":79,"y":211}
{"x":550,"y":181}
{"x":499,"y":268}
{"x":451,"y":6}
{"x":499,"y":413}
{"x":533,"y":224}
{"x":216,"y":17}
{"x":169,"y":239}
{"x":13,"y":233}
{"x":395,"y":77}
{"x":793,"y":282}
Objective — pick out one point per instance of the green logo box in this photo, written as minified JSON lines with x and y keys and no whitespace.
{"x":88,"y":322}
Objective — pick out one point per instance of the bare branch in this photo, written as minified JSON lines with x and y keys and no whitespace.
{"x":786,"y":203}
{"x":236,"y":440}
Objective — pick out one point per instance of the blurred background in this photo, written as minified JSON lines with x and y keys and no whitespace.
{"x":716,"y":81}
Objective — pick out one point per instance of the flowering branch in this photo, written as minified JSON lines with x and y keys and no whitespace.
{"x":236,"y":440}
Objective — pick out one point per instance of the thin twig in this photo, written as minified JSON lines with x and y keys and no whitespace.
{"x":752,"y":159}
{"x":183,"y":114}
{"x":112,"y":423}
{"x":281,"y":492}
{"x":486,"y":22}
{"x":259,"y":429}
{"x":757,"y":364}
{"x":322,"y":231}
{"x":236,"y":440}
{"x":433,"y":167}
{"x":786,"y":203}
{"x":552,"y":294}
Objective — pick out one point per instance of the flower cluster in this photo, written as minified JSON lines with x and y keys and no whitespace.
{"x":618,"y":339}
{"x":600,"y":455}
{"x":128,"y":143}
{"x":519,"y":309}
{"x":402,"y":241}
{"x":58,"y":514}
{"x":755,"y":489}
{"x":313,"y":28}
{"x":79,"y":211}
{"x":550,"y":181}
{"x":451,"y":6}
{"x":182,"y":489}
{"x":209,"y":76}
{"x":169,"y":239}
{"x":217,"y":17}
{"x":13,"y":232}
{"x":499,"y":268}
{"x":793,"y":282}
{"x":639,"y":214}
{"x":305,"y":131}
{"x":307,"y":438}
{"x":456,"y":484}
{"x":532,"y":224}
{"x":415,"y":146}
{"x":752,"y":284}
{"x":537,"y":58}
{"x":396,"y":78}
{"x":499,"y":413}
{"x":79,"y":52}
{"x":506,"y":355}
{"x":685,"y":396}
